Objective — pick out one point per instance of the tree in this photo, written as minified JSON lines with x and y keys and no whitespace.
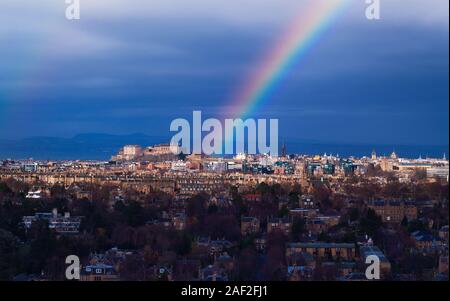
{"x":42,"y":248}
{"x":197,"y":206}
{"x":247,"y":264}
{"x":263,"y":188}
{"x":323,"y":236}
{"x":135,"y":214}
{"x":133,"y":268}
{"x":370,"y":223}
{"x":284,"y":211}
{"x":417,"y":264}
{"x":404,"y":222}
{"x":8,"y":248}
{"x":4,"y":188}
{"x":18,"y":187}
{"x":220,"y":226}
{"x":274,"y":267}
{"x":420,"y":174}
{"x":298,"y":227}
{"x":322,"y":196}
{"x":183,"y":245}
{"x":293,"y":198}
{"x":354,"y":214}
{"x":416,"y":225}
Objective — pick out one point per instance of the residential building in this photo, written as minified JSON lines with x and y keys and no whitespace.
{"x":283,"y":225}
{"x":325,"y":250}
{"x":250,"y":225}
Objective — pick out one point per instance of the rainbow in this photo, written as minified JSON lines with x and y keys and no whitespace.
{"x":304,"y":32}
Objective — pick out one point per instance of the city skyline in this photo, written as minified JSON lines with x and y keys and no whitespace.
{"x":98,"y":146}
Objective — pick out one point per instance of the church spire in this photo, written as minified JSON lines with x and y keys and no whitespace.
{"x":283,"y":150}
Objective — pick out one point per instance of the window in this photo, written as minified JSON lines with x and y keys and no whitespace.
{"x":350,"y":252}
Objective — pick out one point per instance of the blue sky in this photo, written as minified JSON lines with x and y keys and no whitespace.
{"x":132,"y":66}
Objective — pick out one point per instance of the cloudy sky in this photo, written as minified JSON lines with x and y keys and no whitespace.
{"x":132,"y":66}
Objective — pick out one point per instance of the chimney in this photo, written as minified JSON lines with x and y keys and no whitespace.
{"x":55,"y":212}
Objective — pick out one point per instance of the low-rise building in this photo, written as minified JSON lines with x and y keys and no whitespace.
{"x":443,"y":264}
{"x":99,"y":272}
{"x":440,"y":172}
{"x":179,"y":221}
{"x":304,"y":212}
{"x":443,"y":233}
{"x":425,"y":241}
{"x":61,"y":224}
{"x":260,"y":243}
{"x":283,"y":225}
{"x":249,"y":225}
{"x":394,"y":211}
{"x":325,"y":250}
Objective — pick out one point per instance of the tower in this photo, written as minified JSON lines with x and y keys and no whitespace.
{"x":374,"y":155}
{"x":283,"y":150}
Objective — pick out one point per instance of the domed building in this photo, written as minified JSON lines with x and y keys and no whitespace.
{"x":394,"y":156}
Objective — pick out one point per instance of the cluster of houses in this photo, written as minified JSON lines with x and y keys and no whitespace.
{"x":303,"y":259}
{"x":62,"y":224}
